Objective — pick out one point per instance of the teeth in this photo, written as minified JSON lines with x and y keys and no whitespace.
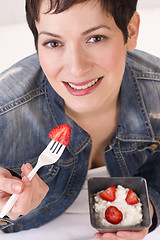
{"x":84,"y":86}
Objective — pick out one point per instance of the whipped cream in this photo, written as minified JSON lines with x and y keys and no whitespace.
{"x":132,"y":214}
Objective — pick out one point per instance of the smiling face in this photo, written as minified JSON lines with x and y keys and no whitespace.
{"x":82,"y":52}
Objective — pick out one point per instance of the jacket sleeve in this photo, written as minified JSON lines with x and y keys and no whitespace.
{"x":151,"y":172}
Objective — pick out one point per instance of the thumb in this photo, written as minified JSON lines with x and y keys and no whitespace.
{"x":10,"y":185}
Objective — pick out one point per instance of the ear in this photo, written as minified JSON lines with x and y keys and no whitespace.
{"x":133,"y":30}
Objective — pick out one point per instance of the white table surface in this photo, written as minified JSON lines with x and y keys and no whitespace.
{"x":16,"y":42}
{"x":65,"y":227}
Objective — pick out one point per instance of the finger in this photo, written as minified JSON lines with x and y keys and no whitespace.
{"x":26,"y":169}
{"x":11,"y":186}
{"x":5,"y":173}
{"x":107,"y":236}
{"x":9,"y":183}
{"x":26,"y":181}
{"x":4,"y":194}
{"x":132,"y":235}
{"x":98,"y":235}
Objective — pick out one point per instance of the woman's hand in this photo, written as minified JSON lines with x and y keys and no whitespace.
{"x":31,"y":193}
{"x":8,"y":186}
{"x":122,"y":235}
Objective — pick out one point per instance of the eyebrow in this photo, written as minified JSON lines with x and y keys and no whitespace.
{"x":95,"y":28}
{"x":84,"y":33}
{"x":49,"y":34}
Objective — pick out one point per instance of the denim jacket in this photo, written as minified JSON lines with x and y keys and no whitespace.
{"x":30,"y":108}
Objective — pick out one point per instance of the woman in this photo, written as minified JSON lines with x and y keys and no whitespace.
{"x":88,"y":77}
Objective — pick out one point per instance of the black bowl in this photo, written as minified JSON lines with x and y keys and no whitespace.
{"x":137,"y":184}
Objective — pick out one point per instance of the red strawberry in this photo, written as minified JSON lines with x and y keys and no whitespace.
{"x":113,"y":215}
{"x":109,"y":194}
{"x":61,"y":134}
{"x":131,"y":198}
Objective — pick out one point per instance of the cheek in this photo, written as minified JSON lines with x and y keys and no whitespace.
{"x":111,"y":61}
{"x":49,"y":66}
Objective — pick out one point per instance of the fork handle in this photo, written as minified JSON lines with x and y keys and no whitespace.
{"x":34,"y":171}
{"x":9,"y":204}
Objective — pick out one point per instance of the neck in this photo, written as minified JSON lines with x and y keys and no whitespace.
{"x":92,"y":121}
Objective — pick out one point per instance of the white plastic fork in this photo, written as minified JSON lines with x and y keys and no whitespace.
{"x":50,"y":155}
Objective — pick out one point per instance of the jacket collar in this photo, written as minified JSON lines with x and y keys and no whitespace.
{"x":134,"y":122}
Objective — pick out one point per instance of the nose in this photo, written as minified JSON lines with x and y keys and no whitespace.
{"x":79,"y":62}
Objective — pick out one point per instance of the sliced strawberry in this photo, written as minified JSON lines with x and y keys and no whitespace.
{"x":113,"y":215}
{"x":109,"y":194}
{"x":61,"y":134}
{"x":131,"y":198}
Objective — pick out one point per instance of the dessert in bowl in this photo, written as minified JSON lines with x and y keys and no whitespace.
{"x":119,"y":204}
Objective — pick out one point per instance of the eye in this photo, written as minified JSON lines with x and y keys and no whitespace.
{"x":52,"y":44}
{"x":96,"y":38}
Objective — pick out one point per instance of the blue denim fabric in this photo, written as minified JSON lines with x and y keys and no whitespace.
{"x":30,"y":108}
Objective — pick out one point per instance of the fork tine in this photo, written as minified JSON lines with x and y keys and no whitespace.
{"x":55,"y":146}
{"x":53,"y":143}
{"x":58,"y":148}
{"x":61,"y":149}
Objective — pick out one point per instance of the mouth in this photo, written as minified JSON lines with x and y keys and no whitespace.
{"x":85,"y":86}
{"x":81,"y":90}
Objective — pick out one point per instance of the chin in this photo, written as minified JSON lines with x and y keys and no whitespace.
{"x":80,"y":108}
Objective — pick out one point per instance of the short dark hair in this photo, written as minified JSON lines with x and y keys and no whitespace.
{"x":121,"y":10}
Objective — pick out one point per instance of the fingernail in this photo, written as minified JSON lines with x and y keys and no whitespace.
{"x":29,"y":166}
{"x":17,"y":187}
{"x":26,"y":180}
